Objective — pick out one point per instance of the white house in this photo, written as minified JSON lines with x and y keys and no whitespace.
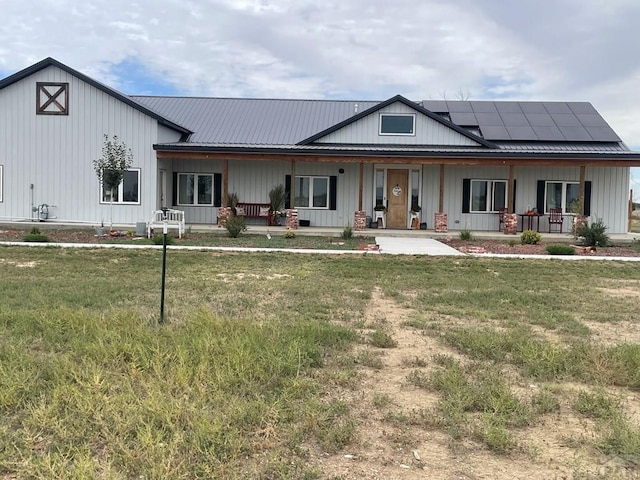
{"x":465,"y":159}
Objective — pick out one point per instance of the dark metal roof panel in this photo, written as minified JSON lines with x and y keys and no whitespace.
{"x":269,"y":121}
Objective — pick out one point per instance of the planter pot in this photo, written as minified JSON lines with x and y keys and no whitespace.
{"x":100,"y":231}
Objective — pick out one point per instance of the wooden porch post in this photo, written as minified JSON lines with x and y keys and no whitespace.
{"x":441,"y":197}
{"x":361,"y":186}
{"x":292,"y":192}
{"x":225,"y":182}
{"x":583,"y":174}
{"x":510,"y":194}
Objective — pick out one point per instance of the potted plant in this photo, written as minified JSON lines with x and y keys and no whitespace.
{"x":380,"y":208}
{"x":277,"y":197}
{"x":415,"y":209}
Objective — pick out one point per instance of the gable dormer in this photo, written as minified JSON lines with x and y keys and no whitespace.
{"x":397,"y":122}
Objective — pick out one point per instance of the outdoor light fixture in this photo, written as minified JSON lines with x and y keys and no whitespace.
{"x":164,"y":260}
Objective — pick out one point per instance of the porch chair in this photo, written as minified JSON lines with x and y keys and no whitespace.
{"x":501,"y":213}
{"x":556,"y":218}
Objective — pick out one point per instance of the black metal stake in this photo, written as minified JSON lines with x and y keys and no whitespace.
{"x":164,"y":262}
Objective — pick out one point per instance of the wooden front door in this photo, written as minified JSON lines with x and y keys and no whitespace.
{"x":397,"y":183}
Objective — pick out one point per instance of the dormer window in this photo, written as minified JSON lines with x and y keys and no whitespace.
{"x":397,"y":124}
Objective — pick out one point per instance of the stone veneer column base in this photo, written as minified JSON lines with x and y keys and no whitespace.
{"x":441,"y":223}
{"x":510,"y":223}
{"x":292,"y":219}
{"x":360,"y":220}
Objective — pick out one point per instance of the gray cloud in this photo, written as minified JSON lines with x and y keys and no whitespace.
{"x":361,"y":49}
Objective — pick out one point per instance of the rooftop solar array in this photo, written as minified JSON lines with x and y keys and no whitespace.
{"x":528,"y":121}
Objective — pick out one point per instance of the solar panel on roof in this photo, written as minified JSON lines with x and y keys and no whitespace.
{"x":464,"y":119}
{"x":489,"y":119}
{"x":557,"y":107}
{"x":522,"y":133}
{"x":582,"y":107}
{"x":575,"y":133}
{"x":483,"y":107}
{"x":508,"y":107}
{"x":495,"y":133}
{"x":514,"y":119}
{"x":532,"y":107}
{"x":435,"y":106}
{"x":540,"y":120}
{"x":459,"y":106}
{"x":549,"y":134}
{"x":603,"y":134}
{"x":565,"y":119}
{"x":591,"y":120}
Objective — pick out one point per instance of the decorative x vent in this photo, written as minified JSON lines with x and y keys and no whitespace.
{"x":52,"y":98}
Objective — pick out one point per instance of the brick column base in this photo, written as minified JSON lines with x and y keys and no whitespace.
{"x":292,"y":219}
{"x":360,"y":220}
{"x":441,"y":223}
{"x":510,"y":223}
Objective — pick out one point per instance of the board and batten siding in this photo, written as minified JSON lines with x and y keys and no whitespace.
{"x":253,"y":180}
{"x":609,"y":187}
{"x":48,"y":158}
{"x":427,"y":131}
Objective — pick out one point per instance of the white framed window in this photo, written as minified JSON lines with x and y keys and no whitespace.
{"x":397,"y":124}
{"x":195,"y":189}
{"x":488,"y":195}
{"x":312,"y":192}
{"x":560,"y":195}
{"x":128,"y":192}
{"x":1,"y":182}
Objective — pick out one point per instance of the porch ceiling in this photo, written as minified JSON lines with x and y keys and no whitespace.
{"x":620,"y":159}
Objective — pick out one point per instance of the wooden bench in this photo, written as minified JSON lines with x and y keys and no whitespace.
{"x":254,"y":210}
{"x":175,"y":219}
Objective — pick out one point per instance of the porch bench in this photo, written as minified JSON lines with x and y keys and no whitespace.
{"x":254,"y":210}
{"x":175,"y":219}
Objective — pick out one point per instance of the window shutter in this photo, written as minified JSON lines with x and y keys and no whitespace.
{"x":513,"y":206}
{"x":587,"y":198}
{"x":217,"y":189}
{"x":174,"y":192}
{"x":333,"y":196}
{"x":287,"y":191}
{"x":540,"y":196}
{"x":466,"y":194}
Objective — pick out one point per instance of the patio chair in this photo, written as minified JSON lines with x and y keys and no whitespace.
{"x":501,"y":213}
{"x":556,"y":218}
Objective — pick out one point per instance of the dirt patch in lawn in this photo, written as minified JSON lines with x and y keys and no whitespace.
{"x":394,"y":442}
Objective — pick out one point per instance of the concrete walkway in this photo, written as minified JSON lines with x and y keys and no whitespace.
{"x":415,"y":246}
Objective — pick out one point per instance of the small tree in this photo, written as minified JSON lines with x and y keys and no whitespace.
{"x":112,"y":166}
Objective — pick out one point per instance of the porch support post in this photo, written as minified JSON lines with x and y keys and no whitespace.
{"x":441,"y":222}
{"x":441,"y":197}
{"x":225,"y":182}
{"x":583,"y":174}
{"x":292,"y":191}
{"x":510,"y":194}
{"x":361,"y":186}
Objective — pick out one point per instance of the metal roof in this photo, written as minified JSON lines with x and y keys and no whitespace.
{"x":534,"y":121}
{"x":242,"y":121}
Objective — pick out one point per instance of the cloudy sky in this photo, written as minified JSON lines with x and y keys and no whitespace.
{"x":568,"y":50}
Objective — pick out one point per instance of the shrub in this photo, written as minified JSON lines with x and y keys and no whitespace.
{"x":466,"y":235}
{"x":35,"y":237}
{"x":530,"y":237}
{"x":235,"y":226}
{"x":511,"y":243}
{"x":593,"y":233}
{"x":290,"y":234}
{"x":157,"y":239}
{"x":560,"y":250}
{"x":347,"y":233}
